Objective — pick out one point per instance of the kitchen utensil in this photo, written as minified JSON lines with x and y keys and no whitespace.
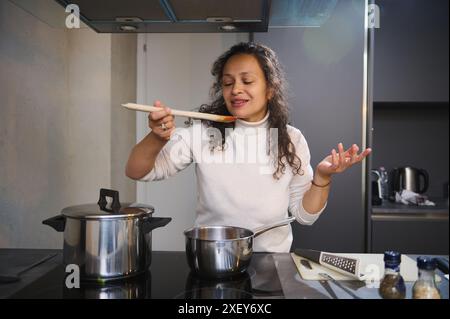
{"x":222,"y":251}
{"x":371,"y":264}
{"x":107,"y":242}
{"x":346,"y":265}
{"x":410,"y":178}
{"x":194,"y":115}
{"x":306,"y":263}
{"x":7,"y":278}
{"x":337,"y":283}
{"x":328,"y":288}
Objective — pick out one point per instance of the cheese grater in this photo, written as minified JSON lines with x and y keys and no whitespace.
{"x":349,"y":266}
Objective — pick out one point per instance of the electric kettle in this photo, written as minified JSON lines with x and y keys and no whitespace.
{"x":410,"y":178}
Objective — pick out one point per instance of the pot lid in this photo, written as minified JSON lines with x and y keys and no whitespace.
{"x":93,"y":211}
{"x":104,"y":210}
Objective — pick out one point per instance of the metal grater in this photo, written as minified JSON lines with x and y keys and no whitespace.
{"x":345,"y":265}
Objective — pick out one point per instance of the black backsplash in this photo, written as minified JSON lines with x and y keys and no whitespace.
{"x":413,"y":134}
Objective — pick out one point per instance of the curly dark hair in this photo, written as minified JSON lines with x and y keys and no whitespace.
{"x":277,"y":105}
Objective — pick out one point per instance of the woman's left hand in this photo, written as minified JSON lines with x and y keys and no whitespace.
{"x":337,"y":162}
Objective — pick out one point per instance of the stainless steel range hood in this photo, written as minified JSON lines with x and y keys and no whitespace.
{"x":169,"y":16}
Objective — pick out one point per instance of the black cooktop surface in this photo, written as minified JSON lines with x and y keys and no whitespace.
{"x":168,"y":277}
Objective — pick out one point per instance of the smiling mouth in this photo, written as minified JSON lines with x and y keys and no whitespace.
{"x":238,"y":103}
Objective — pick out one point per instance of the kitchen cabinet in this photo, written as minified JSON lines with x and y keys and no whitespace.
{"x":411,"y":51}
{"x":410,"y":120}
{"x":410,"y":229}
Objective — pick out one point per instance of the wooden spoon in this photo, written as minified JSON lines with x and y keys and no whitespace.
{"x":194,"y":115}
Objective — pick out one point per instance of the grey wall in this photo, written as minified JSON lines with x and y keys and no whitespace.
{"x":123,"y":123}
{"x":324,"y":67}
{"x":58,"y":123}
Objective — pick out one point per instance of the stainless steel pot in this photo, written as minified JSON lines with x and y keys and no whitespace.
{"x":107,"y":243}
{"x":222,"y":251}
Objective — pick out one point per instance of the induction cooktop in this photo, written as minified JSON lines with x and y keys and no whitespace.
{"x":168,"y":277}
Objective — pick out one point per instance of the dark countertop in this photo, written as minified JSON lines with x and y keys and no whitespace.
{"x":294,"y":287}
{"x":269,"y":276}
{"x":12,"y":259}
{"x":169,"y":277}
{"x":387,"y":208}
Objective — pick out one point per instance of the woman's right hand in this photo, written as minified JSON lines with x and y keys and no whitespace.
{"x":161,"y":122}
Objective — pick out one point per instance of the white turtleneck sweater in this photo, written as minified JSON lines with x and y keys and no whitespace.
{"x":235,"y":184}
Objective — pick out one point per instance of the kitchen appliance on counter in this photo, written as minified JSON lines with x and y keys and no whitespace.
{"x":413,"y":179}
{"x":107,"y":243}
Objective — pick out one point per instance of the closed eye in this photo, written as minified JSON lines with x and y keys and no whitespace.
{"x":231,"y":83}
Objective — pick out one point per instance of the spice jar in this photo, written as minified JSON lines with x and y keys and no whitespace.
{"x":425,"y":286}
{"x":392,"y":285}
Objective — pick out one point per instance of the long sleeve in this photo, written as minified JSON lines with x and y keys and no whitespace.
{"x":175,"y":156}
{"x":300,"y":184}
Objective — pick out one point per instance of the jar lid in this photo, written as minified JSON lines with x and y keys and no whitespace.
{"x":103,"y":210}
{"x":426,"y":263}
{"x":392,"y":257}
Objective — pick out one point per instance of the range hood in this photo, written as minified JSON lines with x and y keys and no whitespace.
{"x":172,"y":16}
{"x":193,"y":16}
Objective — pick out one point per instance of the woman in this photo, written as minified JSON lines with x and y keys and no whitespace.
{"x":235,"y":190}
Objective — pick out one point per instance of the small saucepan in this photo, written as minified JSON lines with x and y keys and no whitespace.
{"x":222,"y":251}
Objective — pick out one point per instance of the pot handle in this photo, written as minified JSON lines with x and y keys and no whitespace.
{"x":102,"y":200}
{"x":258,"y":231}
{"x":58,"y":223}
{"x":154,"y":222}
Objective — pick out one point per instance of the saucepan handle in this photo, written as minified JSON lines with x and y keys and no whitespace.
{"x":58,"y":223}
{"x":154,"y":222}
{"x":258,"y":231}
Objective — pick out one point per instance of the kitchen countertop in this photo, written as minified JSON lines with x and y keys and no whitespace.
{"x":441,"y":207}
{"x":391,"y":210}
{"x":269,"y":276}
{"x":18,"y":257}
